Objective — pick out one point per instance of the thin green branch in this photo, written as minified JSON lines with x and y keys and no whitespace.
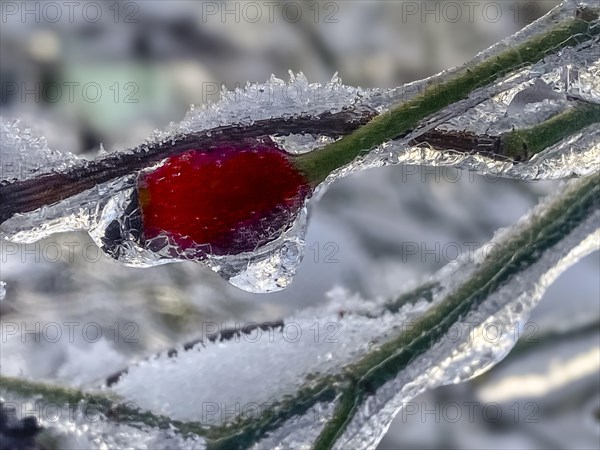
{"x":384,"y":364}
{"x":55,"y":394}
{"x":105,"y":403}
{"x":358,"y":381}
{"x":405,"y":117}
{"x":516,"y":145}
{"x":350,"y":387}
{"x":523,"y":144}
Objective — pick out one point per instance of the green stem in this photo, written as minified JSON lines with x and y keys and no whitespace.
{"x":517,"y":145}
{"x":353,"y":384}
{"x":104,"y":403}
{"x":403,"y":118}
{"x":359,"y":380}
{"x":55,"y":394}
{"x":523,"y":144}
{"x":523,"y":250}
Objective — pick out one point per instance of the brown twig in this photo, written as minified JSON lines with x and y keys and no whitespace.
{"x":461,"y":141}
{"x":31,"y":194}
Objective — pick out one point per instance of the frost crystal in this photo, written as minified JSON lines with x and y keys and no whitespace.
{"x":24,"y":156}
{"x":526,"y":97}
{"x":221,"y":376}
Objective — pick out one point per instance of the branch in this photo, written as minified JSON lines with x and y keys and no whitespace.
{"x":110,"y":406}
{"x":517,"y":145}
{"x":523,"y":144}
{"x":402,"y":119}
{"x":351,"y":386}
{"x":31,"y":194}
{"x":357,"y":382}
{"x":361,"y":133}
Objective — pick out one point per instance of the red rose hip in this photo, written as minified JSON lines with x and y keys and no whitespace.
{"x":225,"y":200}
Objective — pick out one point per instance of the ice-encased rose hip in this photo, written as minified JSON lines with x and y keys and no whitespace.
{"x":224,"y":200}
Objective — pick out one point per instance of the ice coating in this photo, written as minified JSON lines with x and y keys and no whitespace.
{"x":275,"y":98}
{"x":522,"y":99}
{"x":585,"y":83}
{"x":476,"y":353}
{"x":467,"y":349}
{"x":25,"y":155}
{"x":223,"y":372}
{"x":265,"y":269}
{"x":526,"y":97}
{"x":300,"y":432}
{"x":84,"y":426}
{"x":564,"y":11}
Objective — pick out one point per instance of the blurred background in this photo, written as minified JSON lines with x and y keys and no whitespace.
{"x":92,"y":75}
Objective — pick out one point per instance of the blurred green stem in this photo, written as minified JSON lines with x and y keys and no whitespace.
{"x":352,"y":385}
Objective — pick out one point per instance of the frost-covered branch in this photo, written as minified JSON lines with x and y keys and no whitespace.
{"x":228,"y":186}
{"x":362,"y":133}
{"x":221,"y":336}
{"x":517,"y":145}
{"x":397,"y":357}
{"x":33,"y":193}
{"x":408,"y":115}
{"x":359,"y":381}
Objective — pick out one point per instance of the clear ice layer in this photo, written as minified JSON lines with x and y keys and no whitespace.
{"x":84,"y":426}
{"x":223,"y":374}
{"x":526,"y":97}
{"x":218,"y":388}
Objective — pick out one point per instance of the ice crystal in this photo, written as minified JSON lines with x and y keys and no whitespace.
{"x":325,"y":344}
{"x":525,"y":97}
